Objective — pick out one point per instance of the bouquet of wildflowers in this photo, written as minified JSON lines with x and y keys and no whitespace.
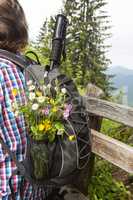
{"x":55,"y":126}
{"x":45,"y":113}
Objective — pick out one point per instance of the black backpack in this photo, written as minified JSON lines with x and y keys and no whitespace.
{"x":66,"y":160}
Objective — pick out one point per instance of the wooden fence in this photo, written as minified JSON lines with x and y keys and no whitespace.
{"x":114,"y":151}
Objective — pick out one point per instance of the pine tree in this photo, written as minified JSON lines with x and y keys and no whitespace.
{"x":86,"y":35}
{"x":86,"y":49}
{"x":44,"y":40}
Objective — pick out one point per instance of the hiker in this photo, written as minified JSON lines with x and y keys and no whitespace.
{"x":13,"y":131}
{"x":13,"y":38}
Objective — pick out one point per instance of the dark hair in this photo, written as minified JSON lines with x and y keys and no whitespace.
{"x":13,"y":26}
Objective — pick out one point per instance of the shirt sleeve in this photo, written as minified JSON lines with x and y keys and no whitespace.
{"x":12,"y":128}
{"x":1,"y":90}
{"x":2,"y":156}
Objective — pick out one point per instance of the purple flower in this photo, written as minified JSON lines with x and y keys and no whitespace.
{"x":68,"y":108}
{"x":66,"y":114}
{"x":45,"y":111}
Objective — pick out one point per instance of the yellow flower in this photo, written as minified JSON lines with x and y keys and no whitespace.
{"x":15,"y":92}
{"x":52,"y":101}
{"x":47,"y":125}
{"x":54,"y":109}
{"x":38,"y":93}
{"x":72,"y":137}
{"x":41,"y":127}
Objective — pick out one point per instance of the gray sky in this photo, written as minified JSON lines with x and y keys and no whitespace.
{"x":121,"y":12}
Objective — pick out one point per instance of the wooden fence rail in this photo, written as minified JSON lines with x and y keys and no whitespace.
{"x":113,"y":111}
{"x":113,"y":150}
{"x":108,"y":148}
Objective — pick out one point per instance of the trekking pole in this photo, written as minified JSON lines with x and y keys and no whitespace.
{"x":58,"y":41}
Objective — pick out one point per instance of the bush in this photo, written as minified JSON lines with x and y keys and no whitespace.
{"x":103,"y":186}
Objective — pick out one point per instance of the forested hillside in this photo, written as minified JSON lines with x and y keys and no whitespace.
{"x":123,"y":80}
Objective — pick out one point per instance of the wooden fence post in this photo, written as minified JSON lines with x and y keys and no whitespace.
{"x":95,"y":123}
{"x":108,"y":148}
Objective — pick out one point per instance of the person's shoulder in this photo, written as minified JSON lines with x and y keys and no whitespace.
{"x":6,"y":63}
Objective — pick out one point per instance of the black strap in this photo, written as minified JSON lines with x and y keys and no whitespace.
{"x":35,"y":55}
{"x":18,"y":60}
{"x":23,"y":62}
{"x":6,"y":149}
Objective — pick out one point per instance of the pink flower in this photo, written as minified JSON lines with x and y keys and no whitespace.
{"x":45,"y":111}
{"x":68,"y":108}
{"x":66,"y":114}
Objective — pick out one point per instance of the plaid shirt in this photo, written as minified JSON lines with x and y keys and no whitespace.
{"x":12,"y":129}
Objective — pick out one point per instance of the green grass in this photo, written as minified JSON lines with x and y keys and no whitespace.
{"x":103,"y":186}
{"x":116,"y":130}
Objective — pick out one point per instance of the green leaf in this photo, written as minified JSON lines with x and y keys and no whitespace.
{"x":51,"y":137}
{"x":33,"y":129}
{"x":59,"y":126}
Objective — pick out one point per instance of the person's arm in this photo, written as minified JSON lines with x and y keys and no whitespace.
{"x":1,"y":90}
{"x":2,"y":156}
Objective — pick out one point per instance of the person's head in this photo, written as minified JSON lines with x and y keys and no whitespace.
{"x":13,"y":26}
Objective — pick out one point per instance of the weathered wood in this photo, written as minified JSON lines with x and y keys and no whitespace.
{"x":113,"y":111}
{"x":94,"y":91}
{"x":84,"y":179}
{"x":113,"y":150}
{"x":94,"y":123}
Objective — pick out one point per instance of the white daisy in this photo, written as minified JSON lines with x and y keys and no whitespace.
{"x":35,"y":106}
{"x":45,"y":74}
{"x":29,"y":82}
{"x":32,"y":96}
{"x":41,"y":99}
{"x":59,"y":132}
{"x":31,"y":87}
{"x":49,"y":86}
{"x":63,"y":90}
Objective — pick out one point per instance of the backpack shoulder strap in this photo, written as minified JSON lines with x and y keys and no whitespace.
{"x":29,"y":67}
{"x":18,"y":60}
